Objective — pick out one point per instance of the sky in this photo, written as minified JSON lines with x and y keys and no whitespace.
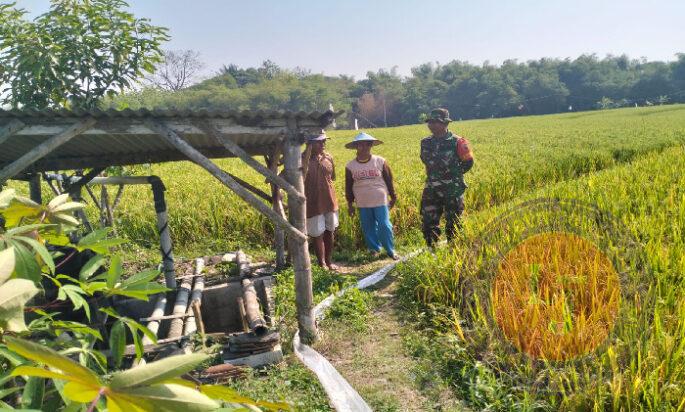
{"x":354,"y":36}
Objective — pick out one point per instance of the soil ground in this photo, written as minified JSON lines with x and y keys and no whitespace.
{"x":374,"y":360}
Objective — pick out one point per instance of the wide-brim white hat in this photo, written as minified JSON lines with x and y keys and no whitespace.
{"x":363,"y":137}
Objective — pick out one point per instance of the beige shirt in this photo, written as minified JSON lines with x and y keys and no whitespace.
{"x":368,"y":185}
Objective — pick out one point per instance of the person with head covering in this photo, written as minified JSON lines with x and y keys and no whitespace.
{"x":322,"y":204}
{"x":369,"y":185}
{"x":447,"y":158}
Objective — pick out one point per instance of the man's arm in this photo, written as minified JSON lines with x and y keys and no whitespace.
{"x":387,"y":178}
{"x":349,"y":181}
{"x":332,"y":165}
{"x":466,"y":165}
{"x":465,"y":154}
{"x":423,"y":152}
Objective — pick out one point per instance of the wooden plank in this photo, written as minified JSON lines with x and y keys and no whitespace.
{"x":299,"y":252}
{"x":44,"y":148}
{"x":270,"y":176}
{"x":224,"y":178}
{"x":10,"y":129}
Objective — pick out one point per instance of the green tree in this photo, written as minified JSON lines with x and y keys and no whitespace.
{"x":77,"y":52}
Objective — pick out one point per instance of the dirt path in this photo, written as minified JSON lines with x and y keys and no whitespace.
{"x":374,"y":360}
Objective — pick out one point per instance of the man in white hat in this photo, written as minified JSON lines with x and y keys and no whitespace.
{"x":369,"y":185}
{"x":322,"y":204}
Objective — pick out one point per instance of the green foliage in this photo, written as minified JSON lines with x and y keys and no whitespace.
{"x":76,"y":53}
{"x":353,"y":307}
{"x":14,"y":293}
{"x":149,"y":387}
{"x":324,"y":283}
{"x":469,"y":91}
{"x":289,"y":380}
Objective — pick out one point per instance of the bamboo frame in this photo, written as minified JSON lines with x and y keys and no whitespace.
{"x":44,"y":148}
{"x":224,"y":178}
{"x":299,"y":252}
{"x":271,"y":177}
{"x":12,"y":128}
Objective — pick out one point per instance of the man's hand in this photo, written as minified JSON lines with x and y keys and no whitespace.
{"x":350,"y":209}
{"x":392,"y":202}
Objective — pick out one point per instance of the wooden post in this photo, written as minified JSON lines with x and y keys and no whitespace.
{"x":299,"y":251}
{"x":34,"y":188}
{"x":227,"y":180}
{"x":277,"y":205}
{"x":12,"y":128}
{"x":44,"y":148}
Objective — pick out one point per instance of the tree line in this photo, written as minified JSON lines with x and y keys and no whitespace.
{"x":469,"y":91}
{"x":117,"y":61}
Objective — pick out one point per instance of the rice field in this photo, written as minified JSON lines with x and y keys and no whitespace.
{"x":513,"y":156}
{"x":641,"y":363}
{"x":507,"y":333}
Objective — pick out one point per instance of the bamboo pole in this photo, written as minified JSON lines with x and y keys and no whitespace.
{"x":12,"y":128}
{"x":243,"y":263}
{"x":299,"y":251}
{"x":44,"y":148}
{"x":277,"y":206}
{"x":195,"y":297}
{"x":253,"y":314}
{"x":271,"y":177}
{"x":180,"y":308}
{"x":166,"y":248}
{"x":224,"y":178}
{"x":153,"y":325}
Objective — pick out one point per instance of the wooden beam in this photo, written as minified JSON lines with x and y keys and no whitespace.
{"x":44,"y":148}
{"x":271,"y":177}
{"x":299,"y":252}
{"x":10,"y":129}
{"x":259,"y":192}
{"x":123,"y":159}
{"x":224,"y":178}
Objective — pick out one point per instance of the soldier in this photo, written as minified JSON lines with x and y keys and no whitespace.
{"x":446,"y":157}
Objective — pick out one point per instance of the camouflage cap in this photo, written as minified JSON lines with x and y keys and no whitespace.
{"x":440,"y":115}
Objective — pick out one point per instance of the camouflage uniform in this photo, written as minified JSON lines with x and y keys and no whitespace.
{"x":446,"y":160}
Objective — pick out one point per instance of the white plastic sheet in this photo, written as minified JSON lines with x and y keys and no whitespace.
{"x":342,"y":395}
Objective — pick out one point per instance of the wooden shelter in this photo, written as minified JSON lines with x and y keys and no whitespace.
{"x":34,"y":142}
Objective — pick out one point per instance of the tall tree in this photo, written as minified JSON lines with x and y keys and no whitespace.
{"x":77,"y":52}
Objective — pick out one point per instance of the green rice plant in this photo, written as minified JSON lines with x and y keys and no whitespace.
{"x":640,"y":365}
{"x":513,"y":156}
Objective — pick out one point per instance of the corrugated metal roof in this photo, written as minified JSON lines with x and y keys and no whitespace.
{"x":121,"y":137}
{"x":246,"y":115}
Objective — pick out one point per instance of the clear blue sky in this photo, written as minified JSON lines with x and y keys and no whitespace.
{"x":354,"y":36}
